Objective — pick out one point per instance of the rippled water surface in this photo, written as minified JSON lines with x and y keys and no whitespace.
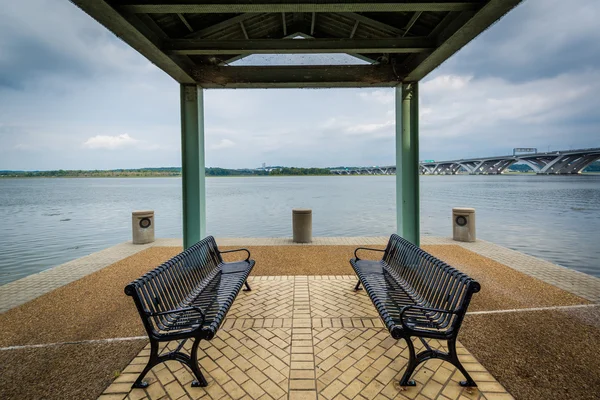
{"x":46,"y":222}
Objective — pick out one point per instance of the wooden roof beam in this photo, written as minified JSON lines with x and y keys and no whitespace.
{"x":296,"y":76}
{"x":272,"y":46}
{"x":412,"y":21}
{"x":150,"y":7}
{"x":185,"y":22}
{"x":209,"y":30}
{"x":373,"y":23}
{"x":244,"y":30}
{"x":354,"y":29}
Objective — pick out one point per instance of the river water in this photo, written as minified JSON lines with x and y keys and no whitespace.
{"x":46,"y":222}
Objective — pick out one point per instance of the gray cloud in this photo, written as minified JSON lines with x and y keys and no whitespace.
{"x":74,"y":96}
{"x":44,"y":38}
{"x":540,"y":38}
{"x":27,"y":59}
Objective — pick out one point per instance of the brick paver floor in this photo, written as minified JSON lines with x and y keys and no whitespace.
{"x":299,"y":337}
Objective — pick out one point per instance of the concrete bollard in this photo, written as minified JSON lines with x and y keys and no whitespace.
{"x":463,"y":224}
{"x":302,"y":225}
{"x":142,"y":226}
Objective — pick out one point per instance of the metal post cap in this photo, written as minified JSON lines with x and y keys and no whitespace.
{"x":463,"y":210}
{"x":302,"y":211}
{"x":142,"y":213}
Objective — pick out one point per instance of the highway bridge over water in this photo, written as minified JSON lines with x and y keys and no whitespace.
{"x":565,"y":162}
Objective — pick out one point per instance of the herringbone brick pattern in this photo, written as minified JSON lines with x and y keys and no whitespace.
{"x":270,"y":299}
{"x":236,"y":364}
{"x":331,"y":298}
{"x":324,"y":346}
{"x":368,"y":363}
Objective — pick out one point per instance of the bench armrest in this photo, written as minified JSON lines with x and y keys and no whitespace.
{"x":177,"y":310}
{"x":233,"y":251}
{"x":420,"y":324}
{"x":365,"y":248}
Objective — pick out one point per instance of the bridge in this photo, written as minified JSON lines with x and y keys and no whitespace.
{"x":565,"y":162}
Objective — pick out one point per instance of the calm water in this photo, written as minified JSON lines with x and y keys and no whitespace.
{"x":46,"y":222}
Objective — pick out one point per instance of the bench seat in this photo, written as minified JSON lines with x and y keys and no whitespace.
{"x":398,"y":296}
{"x":214,"y":300}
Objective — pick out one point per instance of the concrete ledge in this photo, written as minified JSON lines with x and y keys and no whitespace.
{"x":25,"y":289}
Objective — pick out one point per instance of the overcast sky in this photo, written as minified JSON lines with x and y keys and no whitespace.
{"x":73,"y":96}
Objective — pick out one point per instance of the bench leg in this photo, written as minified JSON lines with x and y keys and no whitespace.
{"x":247,"y":287}
{"x":357,"y":287}
{"x":468,"y":382}
{"x":416,"y":359}
{"x":153,"y":361}
{"x":200,"y":380}
{"x":412,"y":364}
{"x":191,"y":361}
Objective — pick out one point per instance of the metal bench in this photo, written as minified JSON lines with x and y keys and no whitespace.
{"x":185,"y":298}
{"x":417,"y":295}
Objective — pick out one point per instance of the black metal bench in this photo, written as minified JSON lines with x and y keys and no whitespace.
{"x":417,"y":295}
{"x":185,"y":298}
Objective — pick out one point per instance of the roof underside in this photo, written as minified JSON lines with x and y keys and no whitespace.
{"x":196,"y":41}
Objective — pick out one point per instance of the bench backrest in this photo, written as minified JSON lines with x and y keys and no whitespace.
{"x":173,"y":283}
{"x":435,"y":284}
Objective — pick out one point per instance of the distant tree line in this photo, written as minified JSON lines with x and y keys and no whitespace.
{"x":299,"y":171}
{"x":161,"y":172}
{"x":62,"y":173}
{"x":234,"y":172}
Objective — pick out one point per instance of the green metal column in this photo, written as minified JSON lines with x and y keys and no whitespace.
{"x":192,"y":164}
{"x":407,"y":161}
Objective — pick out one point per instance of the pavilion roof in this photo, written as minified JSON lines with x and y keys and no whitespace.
{"x":196,"y":41}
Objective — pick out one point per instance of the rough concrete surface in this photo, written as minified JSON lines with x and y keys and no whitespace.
{"x":502,"y":287}
{"x":539,"y":355}
{"x":68,"y":372}
{"x":94,"y":307}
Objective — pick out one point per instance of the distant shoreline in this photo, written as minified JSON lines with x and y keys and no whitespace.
{"x":156,"y":176}
{"x":246,"y":176}
{"x":217,"y":172}
{"x":165,"y":172}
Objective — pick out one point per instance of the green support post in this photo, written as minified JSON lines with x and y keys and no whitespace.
{"x":192,"y":165}
{"x":407,"y":161}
